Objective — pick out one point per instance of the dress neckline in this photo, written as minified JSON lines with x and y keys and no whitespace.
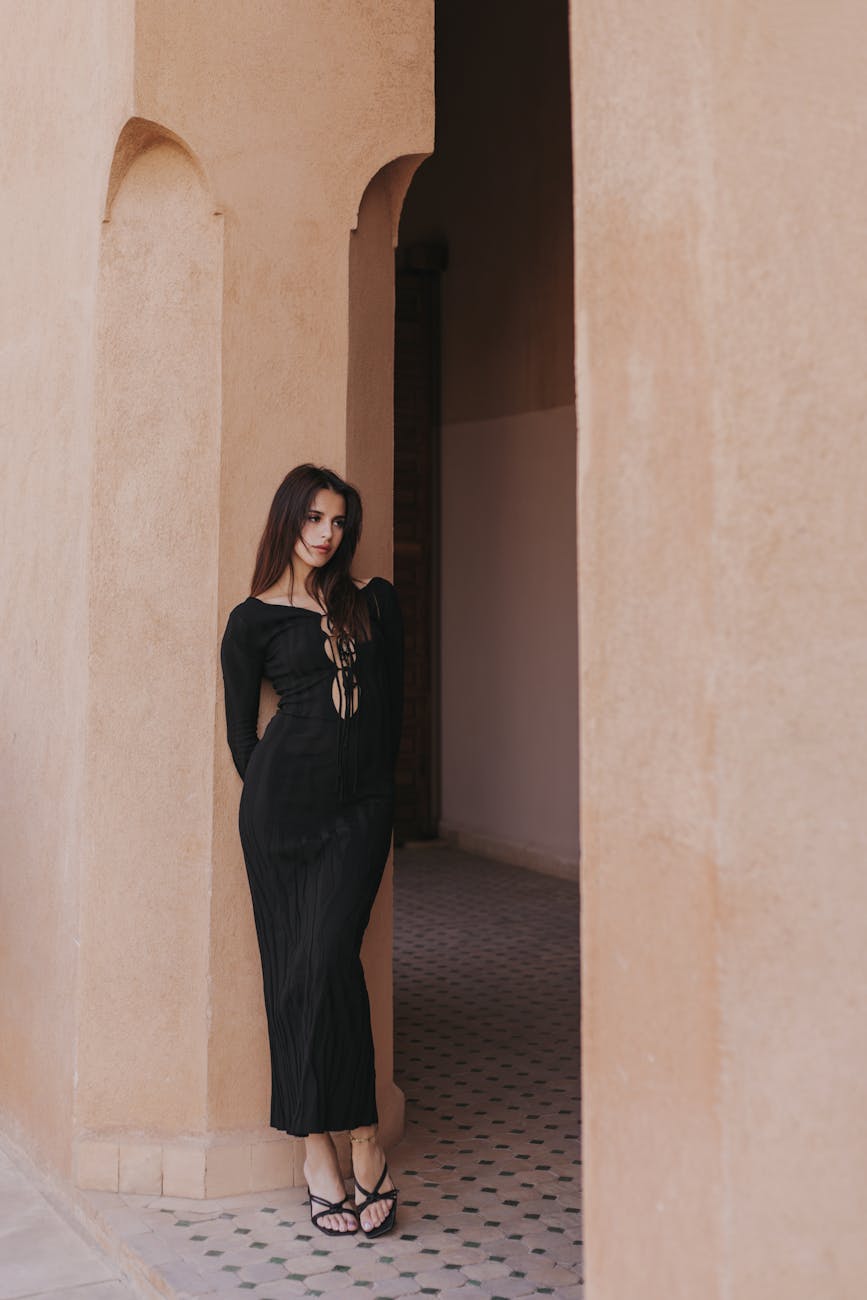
{"x":320,"y":613}
{"x":276,"y":604}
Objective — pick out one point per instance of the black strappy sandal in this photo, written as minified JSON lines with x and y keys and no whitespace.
{"x":335,"y":1207}
{"x":376,"y":1195}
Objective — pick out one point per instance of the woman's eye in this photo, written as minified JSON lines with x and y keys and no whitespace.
{"x":314,"y":519}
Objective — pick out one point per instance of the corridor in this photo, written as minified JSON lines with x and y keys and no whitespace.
{"x":486,"y":1051}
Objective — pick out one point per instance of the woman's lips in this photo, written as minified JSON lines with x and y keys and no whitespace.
{"x":324,"y":549}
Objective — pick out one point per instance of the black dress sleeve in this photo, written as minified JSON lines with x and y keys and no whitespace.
{"x":242,"y":659}
{"x":391,"y":618}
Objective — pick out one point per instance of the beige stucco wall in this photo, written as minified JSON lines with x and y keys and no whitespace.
{"x":508,"y":645}
{"x":370,"y":466}
{"x":143,"y":1033}
{"x":720,"y":306}
{"x":498,"y":193}
{"x":56,"y":150}
{"x":721,"y":295}
{"x":169,"y":365}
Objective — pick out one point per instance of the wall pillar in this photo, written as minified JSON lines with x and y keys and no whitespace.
{"x":722,"y":473}
{"x":224,"y":361}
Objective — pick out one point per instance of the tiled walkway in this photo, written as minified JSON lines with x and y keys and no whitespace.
{"x":486,"y":993}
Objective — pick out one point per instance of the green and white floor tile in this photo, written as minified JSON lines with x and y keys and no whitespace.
{"x":486,"y":1051}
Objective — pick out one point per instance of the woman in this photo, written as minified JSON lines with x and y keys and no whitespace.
{"x":315,"y":821}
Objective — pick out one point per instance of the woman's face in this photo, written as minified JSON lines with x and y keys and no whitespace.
{"x":322,"y":532}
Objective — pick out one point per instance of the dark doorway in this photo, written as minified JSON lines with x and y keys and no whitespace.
{"x":485,"y":458}
{"x":416,"y":531}
{"x":485,"y":562}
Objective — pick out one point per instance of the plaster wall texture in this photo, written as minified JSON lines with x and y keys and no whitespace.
{"x":197,"y":346}
{"x":498,"y":192}
{"x":721,"y":294}
{"x":155,"y":500}
{"x":65,"y":78}
{"x":370,"y":463}
{"x":510,"y":754}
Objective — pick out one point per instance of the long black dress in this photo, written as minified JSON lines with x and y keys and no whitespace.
{"x":315,"y":820}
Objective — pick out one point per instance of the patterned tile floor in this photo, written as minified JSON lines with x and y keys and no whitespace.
{"x":486,"y":1050}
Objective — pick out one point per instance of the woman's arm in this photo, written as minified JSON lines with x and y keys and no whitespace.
{"x":392,"y":626}
{"x":242,"y":663}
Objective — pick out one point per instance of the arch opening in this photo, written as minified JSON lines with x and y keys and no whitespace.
{"x":138,"y":135}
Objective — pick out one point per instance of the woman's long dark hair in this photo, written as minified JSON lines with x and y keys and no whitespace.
{"x":331,"y":585}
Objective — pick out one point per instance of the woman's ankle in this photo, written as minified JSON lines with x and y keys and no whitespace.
{"x":319,"y":1151}
{"x":366,"y":1135}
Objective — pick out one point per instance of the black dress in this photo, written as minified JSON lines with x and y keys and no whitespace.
{"x":315,"y":820}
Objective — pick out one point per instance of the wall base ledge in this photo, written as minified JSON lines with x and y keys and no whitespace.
{"x":517,"y":855}
{"x":212,"y":1165}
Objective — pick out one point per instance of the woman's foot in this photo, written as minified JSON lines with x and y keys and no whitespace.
{"x":368,"y":1162}
{"x":323,"y":1177}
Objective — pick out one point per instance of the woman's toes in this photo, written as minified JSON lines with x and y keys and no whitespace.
{"x":373,"y":1216}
